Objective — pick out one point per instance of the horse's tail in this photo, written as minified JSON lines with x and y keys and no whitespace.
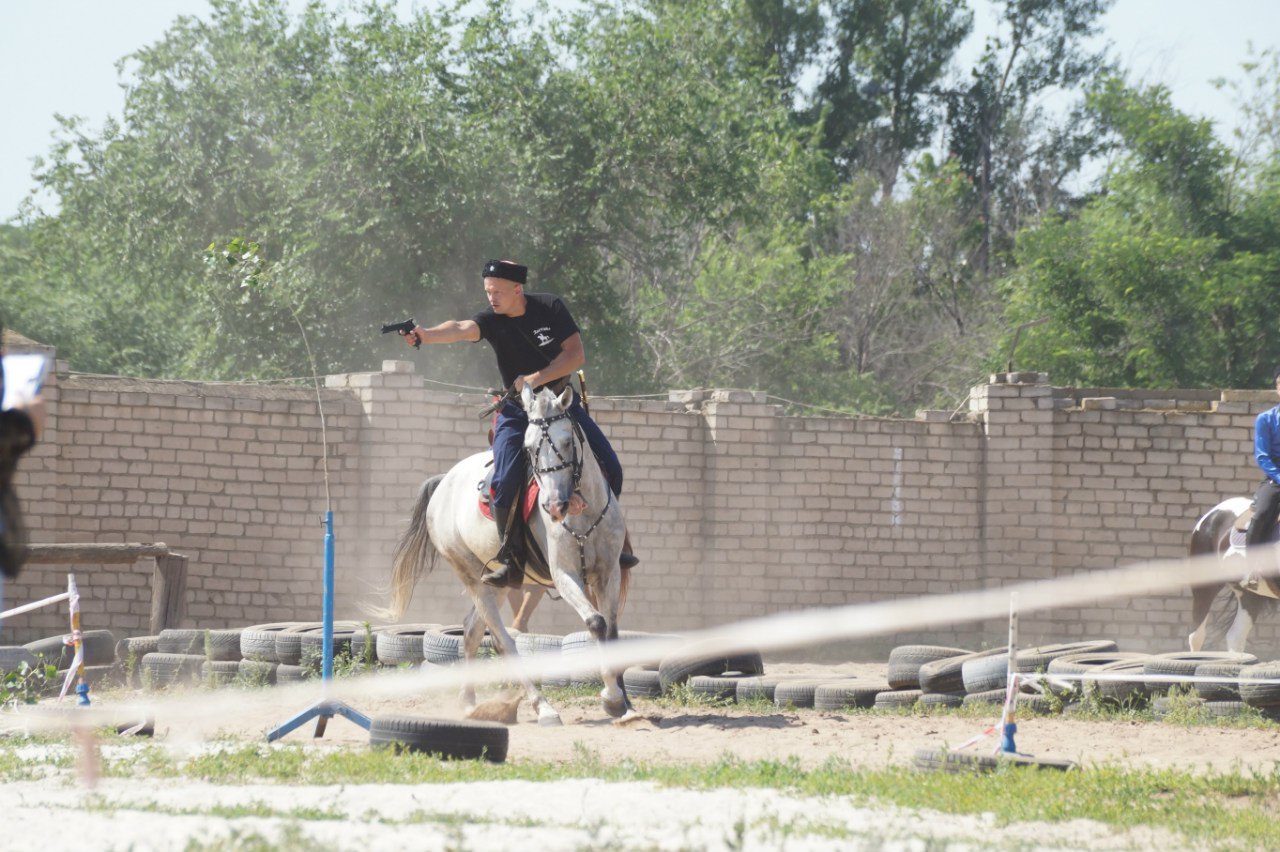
{"x":414,"y":552}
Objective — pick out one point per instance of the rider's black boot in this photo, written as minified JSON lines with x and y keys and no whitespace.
{"x":627,"y":559}
{"x":509,"y":572}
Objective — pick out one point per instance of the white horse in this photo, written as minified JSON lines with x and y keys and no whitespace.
{"x":582,"y":549}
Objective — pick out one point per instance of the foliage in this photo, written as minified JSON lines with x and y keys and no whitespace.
{"x":1161,"y":281}
{"x":802,"y":197}
{"x":27,"y":684}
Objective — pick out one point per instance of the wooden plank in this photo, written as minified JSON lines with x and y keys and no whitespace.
{"x":168,"y":592}
{"x":82,"y":553}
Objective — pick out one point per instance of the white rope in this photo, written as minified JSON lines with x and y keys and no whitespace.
{"x":786,"y":631}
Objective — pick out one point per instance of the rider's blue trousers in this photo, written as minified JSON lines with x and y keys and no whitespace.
{"x":510,"y":468}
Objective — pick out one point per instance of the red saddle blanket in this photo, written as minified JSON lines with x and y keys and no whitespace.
{"x":526,"y":507}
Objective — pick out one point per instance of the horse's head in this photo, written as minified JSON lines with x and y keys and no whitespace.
{"x":555,"y":448}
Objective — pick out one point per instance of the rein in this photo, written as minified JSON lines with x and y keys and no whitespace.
{"x":574,"y":462}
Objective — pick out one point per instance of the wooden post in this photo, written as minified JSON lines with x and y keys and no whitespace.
{"x":168,"y":592}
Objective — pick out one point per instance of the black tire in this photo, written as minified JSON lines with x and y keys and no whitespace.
{"x":1219,"y":691}
{"x":905,"y":662}
{"x":286,"y":674}
{"x":991,"y":671}
{"x":1024,"y":701}
{"x":447,"y":738}
{"x":258,"y":643}
{"x":161,"y":670}
{"x":801,"y":692}
{"x":1235,"y":709}
{"x":99,"y":649}
{"x":443,"y":645}
{"x":218,"y":673}
{"x":1084,"y":663}
{"x":690,"y":661}
{"x":181,"y":640}
{"x":758,"y":687}
{"x":312,"y":647}
{"x":1261,"y":695}
{"x":947,"y":674}
{"x":643,"y":683}
{"x":723,"y":688}
{"x":98,"y":677}
{"x":584,"y":672}
{"x":941,"y":760}
{"x":401,"y":643}
{"x":1124,"y":693}
{"x":946,"y":700}
{"x":533,"y":644}
{"x":897,"y":699}
{"x":289,"y":642}
{"x":1163,"y":705}
{"x":1185,"y":664}
{"x":222,"y":646}
{"x":364,"y":646}
{"x":136,"y":647}
{"x":12,"y":658}
{"x":841,"y":695}
{"x":257,"y":673}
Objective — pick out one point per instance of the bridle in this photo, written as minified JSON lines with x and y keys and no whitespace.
{"x":576,"y":442}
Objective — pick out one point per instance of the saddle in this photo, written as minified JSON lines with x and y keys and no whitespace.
{"x":529,"y":497}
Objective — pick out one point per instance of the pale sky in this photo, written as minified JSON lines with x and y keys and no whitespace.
{"x":58,"y":56}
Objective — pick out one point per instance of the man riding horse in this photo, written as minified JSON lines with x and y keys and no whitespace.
{"x":537,"y":344}
{"x":1266,"y":500}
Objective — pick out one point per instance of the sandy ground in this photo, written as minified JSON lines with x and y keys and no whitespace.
{"x":701,"y":735}
{"x":584,"y":815}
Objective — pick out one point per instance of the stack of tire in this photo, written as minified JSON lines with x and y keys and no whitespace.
{"x":1239,"y":681}
{"x":931,"y":676}
{"x":1256,"y":693}
{"x":397,"y":645}
{"x":178,"y":659}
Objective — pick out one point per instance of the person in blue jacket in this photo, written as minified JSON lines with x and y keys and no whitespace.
{"x":1266,"y":450}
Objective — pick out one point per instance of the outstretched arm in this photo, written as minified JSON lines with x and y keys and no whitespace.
{"x":450,"y":331}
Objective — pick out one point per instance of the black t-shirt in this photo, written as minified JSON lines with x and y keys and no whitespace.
{"x":529,"y":342}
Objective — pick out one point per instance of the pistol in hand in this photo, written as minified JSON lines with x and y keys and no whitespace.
{"x":404,"y":328}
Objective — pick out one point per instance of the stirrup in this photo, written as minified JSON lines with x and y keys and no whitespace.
{"x":508,"y":575}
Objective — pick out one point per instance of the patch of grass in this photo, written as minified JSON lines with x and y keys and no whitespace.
{"x":1234,"y":809}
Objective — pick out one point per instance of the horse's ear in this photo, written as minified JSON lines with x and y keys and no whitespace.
{"x":566,"y":398}
{"x":526,"y":397}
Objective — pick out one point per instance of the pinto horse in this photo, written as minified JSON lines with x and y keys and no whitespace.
{"x":1216,"y":532}
{"x":582,"y":549}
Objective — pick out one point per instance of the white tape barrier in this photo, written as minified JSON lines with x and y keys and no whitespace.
{"x":28,"y":607}
{"x":781,"y":632}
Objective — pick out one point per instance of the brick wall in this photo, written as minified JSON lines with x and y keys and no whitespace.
{"x":736,"y":510}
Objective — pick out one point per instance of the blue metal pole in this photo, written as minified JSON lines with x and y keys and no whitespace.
{"x":327,"y":664}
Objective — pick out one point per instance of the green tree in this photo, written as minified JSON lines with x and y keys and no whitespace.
{"x":999,"y":130}
{"x":1157,"y":282}
{"x":878,"y":97}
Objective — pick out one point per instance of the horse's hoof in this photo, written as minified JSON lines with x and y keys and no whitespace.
{"x":616,"y":709}
{"x":551,"y":720}
{"x":627,"y":718}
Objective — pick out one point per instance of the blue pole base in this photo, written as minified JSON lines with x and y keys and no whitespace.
{"x":1006,"y":742}
{"x":322,"y":711}
{"x":82,"y":690}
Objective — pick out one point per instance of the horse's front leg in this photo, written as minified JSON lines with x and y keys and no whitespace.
{"x":607,"y":592}
{"x":486,"y":605}
{"x":573,"y":589}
